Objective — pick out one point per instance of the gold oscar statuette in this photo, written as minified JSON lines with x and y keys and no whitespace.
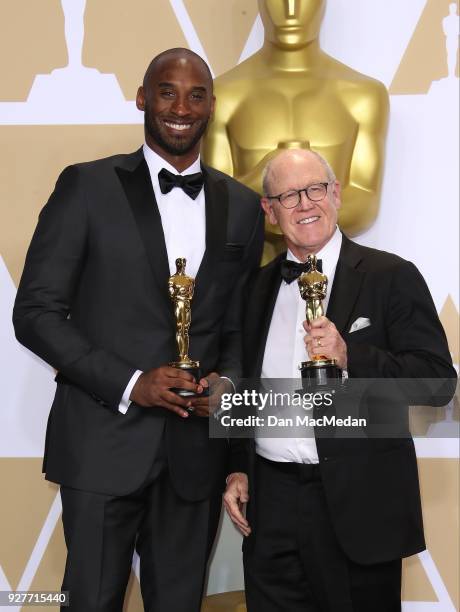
{"x":291,"y":94}
{"x":313,"y":287}
{"x":181,"y":288}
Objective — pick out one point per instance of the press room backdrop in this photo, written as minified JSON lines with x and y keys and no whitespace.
{"x":69,"y":73}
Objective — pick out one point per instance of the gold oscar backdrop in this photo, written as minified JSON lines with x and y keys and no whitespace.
{"x":70,"y":70}
{"x":284,"y":96}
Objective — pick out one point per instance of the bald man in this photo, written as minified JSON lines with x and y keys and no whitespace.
{"x":329,"y":519}
{"x":134,"y":461}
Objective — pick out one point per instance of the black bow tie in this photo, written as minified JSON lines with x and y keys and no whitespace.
{"x":290,"y":270}
{"x":190,"y":183}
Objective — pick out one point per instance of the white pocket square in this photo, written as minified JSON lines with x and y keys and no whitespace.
{"x":360,"y":323}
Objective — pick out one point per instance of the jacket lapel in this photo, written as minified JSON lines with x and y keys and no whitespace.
{"x":346,"y":286}
{"x":265,"y":293}
{"x":136,"y":182}
{"x":216,"y":202}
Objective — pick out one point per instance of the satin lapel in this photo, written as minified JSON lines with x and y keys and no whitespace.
{"x":138,"y":188}
{"x":265,"y":293}
{"x":346,"y":287}
{"x":216,"y":202}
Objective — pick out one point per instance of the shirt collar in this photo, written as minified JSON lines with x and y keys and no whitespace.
{"x":155,"y":163}
{"x":329,"y":254}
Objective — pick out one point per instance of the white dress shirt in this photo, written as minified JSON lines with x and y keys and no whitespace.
{"x":285,"y":350}
{"x":183,"y":219}
{"x":184,"y":228}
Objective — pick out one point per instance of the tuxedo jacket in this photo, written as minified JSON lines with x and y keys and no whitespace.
{"x":93,"y":302}
{"x":371,"y":485}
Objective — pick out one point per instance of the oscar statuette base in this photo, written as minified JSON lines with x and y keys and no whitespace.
{"x":320,"y":373}
{"x":193,"y":368}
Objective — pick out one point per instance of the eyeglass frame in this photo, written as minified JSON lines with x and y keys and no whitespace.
{"x":299,"y":194}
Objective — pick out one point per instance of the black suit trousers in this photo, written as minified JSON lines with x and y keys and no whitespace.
{"x":157,"y":523}
{"x":293,"y":561}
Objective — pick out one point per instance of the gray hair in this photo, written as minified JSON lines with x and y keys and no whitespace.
{"x":268,"y":169}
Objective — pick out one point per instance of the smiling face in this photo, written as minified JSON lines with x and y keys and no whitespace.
{"x":310,"y":225}
{"x":291,"y":24}
{"x":177,"y":101}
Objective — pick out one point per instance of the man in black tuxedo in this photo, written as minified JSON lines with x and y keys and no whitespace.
{"x":134,"y":460}
{"x":329,"y":519}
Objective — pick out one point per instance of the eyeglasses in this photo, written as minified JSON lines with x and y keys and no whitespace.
{"x":291,"y":199}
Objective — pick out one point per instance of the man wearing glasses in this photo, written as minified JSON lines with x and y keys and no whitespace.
{"x":329,"y":522}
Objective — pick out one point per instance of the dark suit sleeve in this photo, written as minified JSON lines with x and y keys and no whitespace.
{"x":239,"y":456}
{"x":231,"y":342}
{"x":415,"y":344}
{"x":43,"y":308}
{"x":242,"y":448}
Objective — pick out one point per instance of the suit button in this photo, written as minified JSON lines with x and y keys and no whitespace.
{"x":325,"y":458}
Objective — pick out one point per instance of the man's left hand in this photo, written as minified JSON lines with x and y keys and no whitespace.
{"x":323,"y":339}
{"x":204,"y":406}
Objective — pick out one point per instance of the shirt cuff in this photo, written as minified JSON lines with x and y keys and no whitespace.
{"x":125,"y":401}
{"x":230,"y":381}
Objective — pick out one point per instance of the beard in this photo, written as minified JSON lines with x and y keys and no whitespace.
{"x":174,"y":145}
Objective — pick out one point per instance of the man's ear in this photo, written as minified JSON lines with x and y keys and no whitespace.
{"x":268,"y":210}
{"x":140,"y":99}
{"x":336,"y":193}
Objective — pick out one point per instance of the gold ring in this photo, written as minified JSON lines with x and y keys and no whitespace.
{"x":318,"y":342}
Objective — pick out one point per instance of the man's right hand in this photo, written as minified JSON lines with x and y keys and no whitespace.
{"x":153,"y":388}
{"x":235,"y":499}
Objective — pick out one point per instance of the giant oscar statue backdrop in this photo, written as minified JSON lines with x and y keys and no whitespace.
{"x":371,"y":85}
{"x":291,"y":94}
